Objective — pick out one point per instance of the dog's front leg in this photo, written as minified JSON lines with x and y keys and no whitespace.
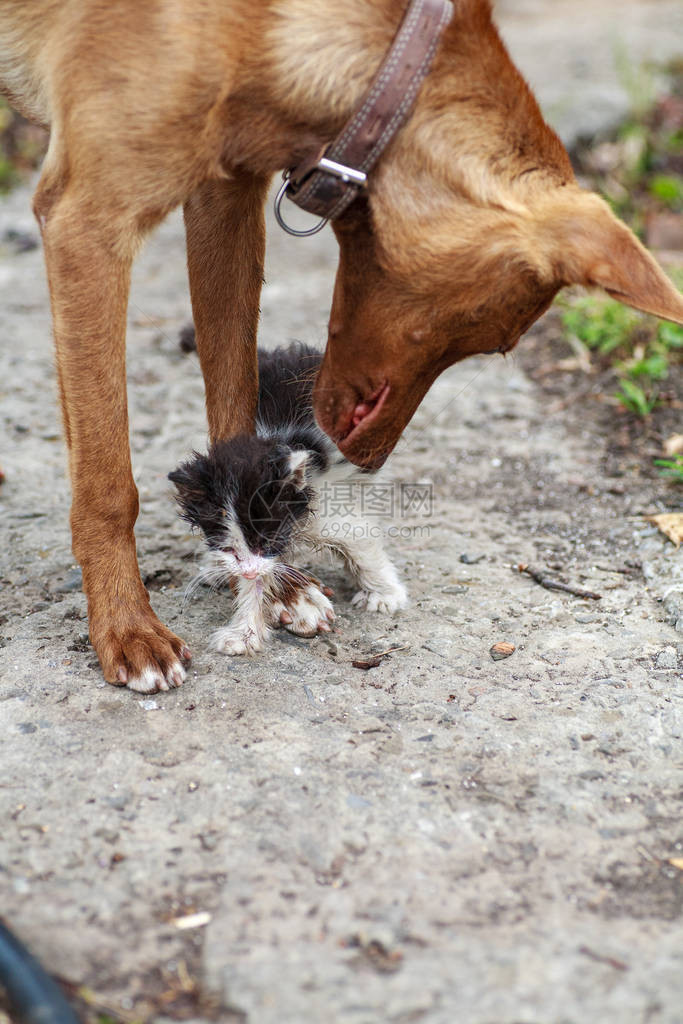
{"x":226,"y":241}
{"x":88,"y":263}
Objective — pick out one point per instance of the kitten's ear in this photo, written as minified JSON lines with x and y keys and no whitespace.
{"x":181,"y":478}
{"x":188,"y":479}
{"x":590,"y":246}
{"x":298,"y":466}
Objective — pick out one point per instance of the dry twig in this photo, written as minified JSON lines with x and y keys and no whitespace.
{"x":375,"y":659}
{"x":551,"y":584}
{"x":611,"y":961}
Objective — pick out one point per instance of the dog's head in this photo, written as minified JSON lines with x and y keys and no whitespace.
{"x":472,"y":224}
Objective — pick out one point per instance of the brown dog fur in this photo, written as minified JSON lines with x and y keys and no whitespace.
{"x":472,"y":223}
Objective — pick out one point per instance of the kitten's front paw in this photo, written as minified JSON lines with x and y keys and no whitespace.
{"x":387,"y":600}
{"x":308,"y":612}
{"x":235,"y":641}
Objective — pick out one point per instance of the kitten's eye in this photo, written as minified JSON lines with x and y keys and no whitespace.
{"x":229,"y":551}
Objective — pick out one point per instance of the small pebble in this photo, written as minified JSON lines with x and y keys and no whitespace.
{"x":667,"y":658}
{"x":502,"y":650}
{"x":21,"y":241}
{"x":73,"y":581}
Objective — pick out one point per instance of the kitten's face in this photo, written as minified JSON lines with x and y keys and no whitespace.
{"x":231,"y":551}
{"x":248,"y":496}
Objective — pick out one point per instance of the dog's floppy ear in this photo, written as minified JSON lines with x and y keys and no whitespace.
{"x":591,"y":247}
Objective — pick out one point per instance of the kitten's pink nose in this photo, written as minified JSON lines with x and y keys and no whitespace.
{"x":250,"y":574}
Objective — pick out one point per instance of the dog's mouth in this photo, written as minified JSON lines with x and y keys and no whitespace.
{"x":360,"y":418}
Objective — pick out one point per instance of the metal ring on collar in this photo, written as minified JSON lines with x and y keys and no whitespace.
{"x":283,"y":223}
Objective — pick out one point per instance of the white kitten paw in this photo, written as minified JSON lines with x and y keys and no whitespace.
{"x":308,"y":612}
{"x":235,"y":640}
{"x":387,"y":600}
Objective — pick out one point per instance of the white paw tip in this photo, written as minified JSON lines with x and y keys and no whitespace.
{"x":381,"y":601}
{"x":227,"y":641}
{"x":149,"y":681}
{"x":176,"y":675}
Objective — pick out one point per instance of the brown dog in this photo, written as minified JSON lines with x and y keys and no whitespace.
{"x":473,"y":222}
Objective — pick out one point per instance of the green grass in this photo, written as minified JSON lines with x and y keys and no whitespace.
{"x":668,"y":189}
{"x":601,"y":324}
{"x":641,"y":350}
{"x":672,"y":468}
{"x":639,"y":169}
{"x":635,"y":399}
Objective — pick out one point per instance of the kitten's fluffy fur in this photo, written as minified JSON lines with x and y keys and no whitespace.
{"x":257,"y":498}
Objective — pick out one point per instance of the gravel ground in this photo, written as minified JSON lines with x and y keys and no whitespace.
{"x":442,"y":838}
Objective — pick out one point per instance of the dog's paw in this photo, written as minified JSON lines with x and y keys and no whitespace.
{"x":235,"y":640}
{"x":306,"y":613}
{"x":152,"y":679}
{"x":386,"y":600}
{"x":142,"y":653}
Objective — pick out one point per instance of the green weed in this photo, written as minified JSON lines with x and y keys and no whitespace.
{"x":638,"y":170}
{"x":602,"y":325}
{"x":635,"y":399}
{"x":671,"y":467}
{"x":640,"y":350}
{"x":668,"y":188}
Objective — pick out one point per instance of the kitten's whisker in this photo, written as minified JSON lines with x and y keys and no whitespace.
{"x":211,"y":576}
{"x":289,"y":574}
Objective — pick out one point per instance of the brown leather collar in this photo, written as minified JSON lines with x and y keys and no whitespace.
{"x":328,"y":182}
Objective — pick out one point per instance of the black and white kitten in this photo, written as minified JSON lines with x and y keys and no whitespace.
{"x":257,"y":499}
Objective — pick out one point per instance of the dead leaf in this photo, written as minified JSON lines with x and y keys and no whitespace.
{"x":192,"y":920}
{"x":670,"y":524}
{"x":370,"y":663}
{"x":676,"y":862}
{"x":673,"y":445}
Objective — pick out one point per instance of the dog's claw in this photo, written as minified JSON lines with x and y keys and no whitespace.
{"x":153,"y":680}
{"x":145,"y":656}
{"x":176,"y":676}
{"x":148,"y":681}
